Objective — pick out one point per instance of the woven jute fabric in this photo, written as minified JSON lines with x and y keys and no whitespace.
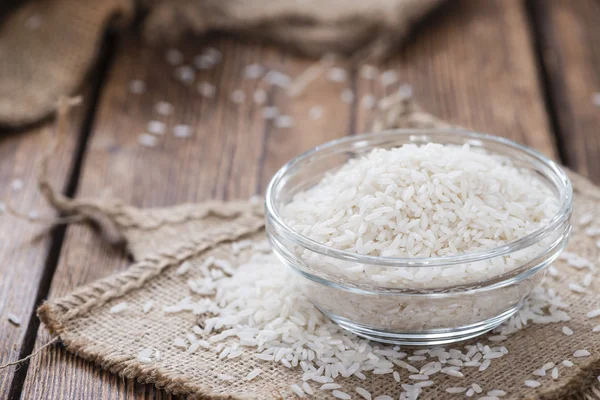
{"x":313,"y":27}
{"x":161,"y":239}
{"x":47,"y":46}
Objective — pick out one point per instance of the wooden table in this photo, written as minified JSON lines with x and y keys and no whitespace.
{"x":524,"y":70}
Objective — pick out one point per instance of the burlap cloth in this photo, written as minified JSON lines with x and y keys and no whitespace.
{"x":47,"y":46}
{"x":160,"y":239}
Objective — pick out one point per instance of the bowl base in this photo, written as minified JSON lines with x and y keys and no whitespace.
{"x":433,"y":337}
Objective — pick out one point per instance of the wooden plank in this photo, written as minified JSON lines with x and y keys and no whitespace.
{"x":569,"y":34}
{"x":473,"y":65}
{"x":234,"y":152}
{"x":25,"y":246}
{"x":223,"y":159}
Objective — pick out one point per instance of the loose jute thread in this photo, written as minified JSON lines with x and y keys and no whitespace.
{"x":35,"y":353}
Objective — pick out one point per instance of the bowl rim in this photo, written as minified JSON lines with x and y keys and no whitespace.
{"x":563,"y":213}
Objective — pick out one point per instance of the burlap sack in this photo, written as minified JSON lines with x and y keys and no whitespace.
{"x":47,"y":46}
{"x":160,"y":239}
{"x":313,"y":27}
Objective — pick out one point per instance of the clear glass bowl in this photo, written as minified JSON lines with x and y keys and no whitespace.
{"x":420,"y":313}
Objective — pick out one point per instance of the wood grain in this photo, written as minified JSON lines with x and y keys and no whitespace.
{"x":221,"y":160}
{"x":25,"y":246}
{"x":569,"y":37}
{"x":473,"y":66}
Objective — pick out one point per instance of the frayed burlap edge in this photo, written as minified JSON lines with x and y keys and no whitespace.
{"x":55,"y":313}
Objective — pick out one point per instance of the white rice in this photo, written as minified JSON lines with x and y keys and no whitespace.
{"x":336,"y":74}
{"x":347,"y":96}
{"x":532,"y":383}
{"x":185,"y":74}
{"x":587,"y":279}
{"x":577,"y":288}
{"x":238,"y":96}
{"x":548,"y":365}
{"x":341,"y":395}
{"x":330,"y":386}
{"x":13,"y":319}
{"x":363,"y":392}
{"x":593,"y":313}
{"x":298,"y":390}
{"x":408,"y":202}
{"x":183,"y":268}
{"x":182,"y":131}
{"x":207,"y":89}
{"x":279,"y":79}
{"x":456,"y":389}
{"x":315,"y":112}
{"x":174,"y":57}
{"x":147,"y":140}
{"x":147,"y":306}
{"x":368,"y":101}
{"x":389,"y":77}
{"x":137,"y":86}
{"x":567,"y":331}
{"x":180,"y":343}
{"x":280,"y":325}
{"x":581,"y":353}
{"x":585,"y":219}
{"x":119,"y":308}
{"x":164,"y":108}
{"x":284,"y":121}
{"x":156,"y":127}
{"x":307,"y":389}
{"x":567,"y":363}
{"x":145,"y":354}
{"x":253,"y":374}
{"x":33,"y":22}
{"x":254,"y":71}
{"x":260,"y":96}
{"x":368,"y":72}
{"x":270,"y":113}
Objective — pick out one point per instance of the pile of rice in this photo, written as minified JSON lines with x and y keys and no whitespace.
{"x":258,"y":309}
{"x":422,"y":201}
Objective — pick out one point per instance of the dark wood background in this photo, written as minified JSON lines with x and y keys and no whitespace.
{"x":526,"y":70}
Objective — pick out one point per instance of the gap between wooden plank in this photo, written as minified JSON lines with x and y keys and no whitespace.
{"x":58,"y":233}
{"x":537,"y":12}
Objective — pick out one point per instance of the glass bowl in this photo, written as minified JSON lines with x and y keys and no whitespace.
{"x":417,"y":312}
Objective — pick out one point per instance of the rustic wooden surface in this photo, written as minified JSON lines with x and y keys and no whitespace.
{"x":569,"y":36}
{"x":27,"y":250}
{"x":477,"y":64}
